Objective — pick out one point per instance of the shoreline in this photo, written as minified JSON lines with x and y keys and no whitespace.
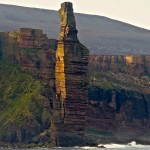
{"x":101,"y":141}
{"x":115,"y":139}
{"x":90,"y":139}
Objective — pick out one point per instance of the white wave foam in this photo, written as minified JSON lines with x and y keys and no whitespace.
{"x":129,"y":145}
{"x":88,"y":147}
{"x":113,"y":145}
{"x":132,"y":144}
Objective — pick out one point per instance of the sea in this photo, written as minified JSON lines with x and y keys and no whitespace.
{"x":129,"y":146}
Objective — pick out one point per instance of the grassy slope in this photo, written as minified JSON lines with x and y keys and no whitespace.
{"x":18,"y":92}
{"x":118,"y":81}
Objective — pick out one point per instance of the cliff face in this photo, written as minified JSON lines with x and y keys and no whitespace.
{"x":27,"y":84}
{"x":119,"y":96}
{"x":68,"y":124}
{"x":128,"y":64}
{"x":36,"y":53}
{"x":44,"y":93}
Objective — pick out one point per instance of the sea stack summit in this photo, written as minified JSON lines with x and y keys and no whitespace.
{"x":68,"y":31}
{"x":68,"y":123}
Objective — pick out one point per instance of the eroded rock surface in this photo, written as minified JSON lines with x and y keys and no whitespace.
{"x":119,"y":97}
{"x":30,"y":66}
{"x":130,"y":64}
{"x":28,"y":63}
{"x":68,"y":125}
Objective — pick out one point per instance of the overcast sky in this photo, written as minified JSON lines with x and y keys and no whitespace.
{"x":136,"y":12}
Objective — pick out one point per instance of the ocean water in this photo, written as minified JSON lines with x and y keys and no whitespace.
{"x":129,"y":146}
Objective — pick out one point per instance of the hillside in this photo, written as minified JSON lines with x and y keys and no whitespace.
{"x":100,"y":34}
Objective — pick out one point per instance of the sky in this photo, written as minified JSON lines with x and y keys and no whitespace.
{"x":136,"y":12}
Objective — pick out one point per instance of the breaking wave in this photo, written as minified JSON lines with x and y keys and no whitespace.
{"x":130,"y":146}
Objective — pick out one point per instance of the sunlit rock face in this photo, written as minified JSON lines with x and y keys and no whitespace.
{"x":130,"y":64}
{"x":68,"y":124}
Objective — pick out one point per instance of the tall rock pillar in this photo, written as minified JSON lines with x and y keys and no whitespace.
{"x":68,"y":124}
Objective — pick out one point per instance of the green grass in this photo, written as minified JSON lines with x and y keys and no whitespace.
{"x":20,"y":96}
{"x":31,"y":52}
{"x":97,"y":81}
{"x":94,"y":131}
{"x":102,"y":82}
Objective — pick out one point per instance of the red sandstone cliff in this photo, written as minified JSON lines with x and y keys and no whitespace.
{"x":129,"y":64}
{"x":119,"y":98}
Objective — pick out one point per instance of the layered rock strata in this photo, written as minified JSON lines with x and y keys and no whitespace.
{"x":31,"y":49}
{"x":36,"y":53}
{"x":31,"y":52}
{"x":130,"y":64}
{"x":68,"y":124}
{"x":119,"y":91}
{"x":119,"y":97}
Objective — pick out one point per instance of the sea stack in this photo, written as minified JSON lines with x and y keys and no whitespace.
{"x":71,"y":76}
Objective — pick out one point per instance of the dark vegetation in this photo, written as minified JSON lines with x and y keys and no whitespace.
{"x":21,"y":103}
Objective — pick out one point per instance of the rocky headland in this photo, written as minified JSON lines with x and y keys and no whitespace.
{"x":119,"y":95}
{"x":48,"y":94}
